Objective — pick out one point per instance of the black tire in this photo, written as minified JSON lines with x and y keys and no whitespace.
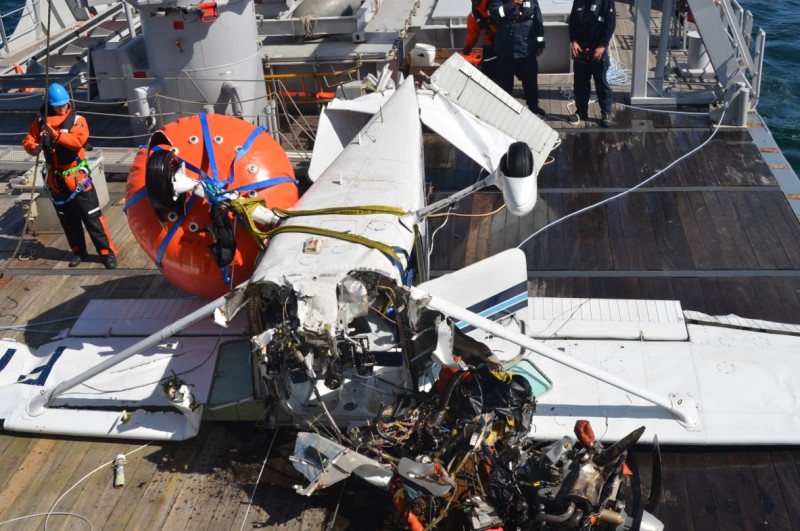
{"x":518,"y":160}
{"x":158,"y":183}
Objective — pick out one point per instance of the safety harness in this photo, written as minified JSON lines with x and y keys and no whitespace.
{"x":79,"y":187}
{"x":63,"y":154}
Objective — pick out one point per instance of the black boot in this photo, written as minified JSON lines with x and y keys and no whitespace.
{"x":110,"y":261}
{"x":78,"y":258}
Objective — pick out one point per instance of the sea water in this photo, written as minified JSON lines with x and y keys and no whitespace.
{"x":7,"y":6}
{"x":779,"y":103}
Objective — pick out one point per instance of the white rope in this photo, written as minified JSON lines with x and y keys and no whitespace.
{"x":264,"y":464}
{"x":50,"y":512}
{"x":626,"y":192}
{"x":618,"y":73}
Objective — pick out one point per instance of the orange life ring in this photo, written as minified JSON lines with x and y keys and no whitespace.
{"x":180,"y":245}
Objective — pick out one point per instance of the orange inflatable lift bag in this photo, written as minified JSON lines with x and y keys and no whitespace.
{"x":199,"y":245}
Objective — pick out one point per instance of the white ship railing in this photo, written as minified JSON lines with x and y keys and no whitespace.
{"x":725,"y":31}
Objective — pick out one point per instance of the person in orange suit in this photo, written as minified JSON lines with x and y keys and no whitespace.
{"x":477,"y":21}
{"x":59,"y":134}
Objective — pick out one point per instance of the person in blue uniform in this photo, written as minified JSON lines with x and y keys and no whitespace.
{"x":518,"y":42}
{"x":591,"y":26}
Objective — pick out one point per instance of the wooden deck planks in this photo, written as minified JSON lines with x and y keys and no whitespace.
{"x":28,"y":469}
{"x":174,"y":463}
{"x":785,"y":465}
{"x":675,"y":495}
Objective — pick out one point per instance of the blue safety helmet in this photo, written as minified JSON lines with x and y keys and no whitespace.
{"x":57,"y":95}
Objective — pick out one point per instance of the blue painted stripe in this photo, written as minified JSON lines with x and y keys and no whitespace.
{"x":7,"y":358}
{"x":497,"y":311}
{"x":44,"y":371}
{"x":499,"y":305}
{"x":499,"y":298}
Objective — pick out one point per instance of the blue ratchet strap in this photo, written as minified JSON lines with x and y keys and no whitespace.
{"x":260,"y":185}
{"x":226,"y":275}
{"x":171,"y":232}
{"x":212,"y":191}
{"x":208,"y":146}
{"x":246,"y":146}
{"x":399,"y":251}
{"x":397,"y":264}
{"x":141,"y":194}
{"x":206,"y":182}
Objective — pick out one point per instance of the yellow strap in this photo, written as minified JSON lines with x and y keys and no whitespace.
{"x":245,"y":207}
{"x":503,"y":376}
{"x":343,"y":211}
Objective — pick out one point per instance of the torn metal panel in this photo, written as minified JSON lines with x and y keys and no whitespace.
{"x":324,"y":463}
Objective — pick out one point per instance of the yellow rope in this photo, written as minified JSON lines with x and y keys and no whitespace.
{"x":343,"y":211}
{"x":457,"y":215}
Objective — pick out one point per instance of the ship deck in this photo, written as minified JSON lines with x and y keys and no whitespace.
{"x":715,"y":232}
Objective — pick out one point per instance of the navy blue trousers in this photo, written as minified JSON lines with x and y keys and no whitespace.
{"x":583,"y":74}
{"x":527,"y":70}
{"x":489,"y":64}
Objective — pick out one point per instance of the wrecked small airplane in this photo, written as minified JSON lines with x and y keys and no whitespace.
{"x":436,"y":390}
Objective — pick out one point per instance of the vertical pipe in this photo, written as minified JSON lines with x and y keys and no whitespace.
{"x":667,"y":12}
{"x":272,"y":118}
{"x":758,"y":64}
{"x":743,"y":105}
{"x":3,"y":36}
{"x":129,"y":19}
{"x":641,"y":49}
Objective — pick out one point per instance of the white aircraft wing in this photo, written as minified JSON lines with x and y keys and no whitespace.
{"x":695,"y":380}
{"x":742,"y":382}
{"x":129,"y":400}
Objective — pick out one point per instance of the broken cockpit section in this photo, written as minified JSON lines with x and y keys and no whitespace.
{"x":417,"y":408}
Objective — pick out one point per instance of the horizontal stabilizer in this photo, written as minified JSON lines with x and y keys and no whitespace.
{"x":155,"y":394}
{"x":468,"y":88}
